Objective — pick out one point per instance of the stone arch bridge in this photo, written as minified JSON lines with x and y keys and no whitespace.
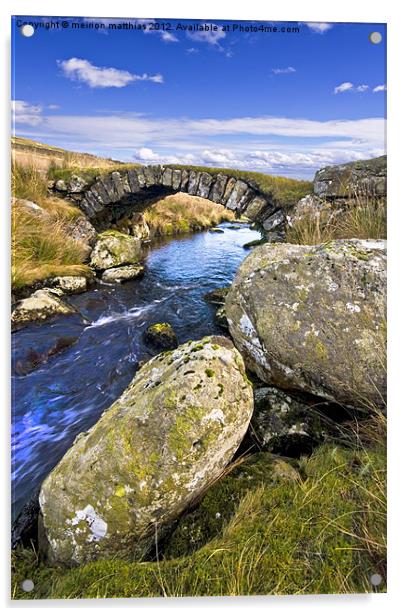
{"x":139,"y":187}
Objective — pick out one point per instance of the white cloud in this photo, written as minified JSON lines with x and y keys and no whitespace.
{"x":284,"y":71}
{"x":24,"y":113}
{"x":347,"y":86}
{"x":267,"y":144}
{"x":78,"y":69}
{"x":343,"y":87}
{"x":319,"y":27}
{"x":146,"y":154}
{"x":211,"y":36}
{"x":192,"y":50}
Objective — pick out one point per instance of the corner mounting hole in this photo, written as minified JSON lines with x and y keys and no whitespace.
{"x":28,"y":585}
{"x":375,"y":38}
{"x":27,"y":30}
{"x":376,"y":579}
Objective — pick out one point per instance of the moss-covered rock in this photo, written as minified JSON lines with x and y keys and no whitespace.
{"x":152,"y":452}
{"x":113,"y":249}
{"x":312,"y":318}
{"x":161,"y":336}
{"x":323,"y":532}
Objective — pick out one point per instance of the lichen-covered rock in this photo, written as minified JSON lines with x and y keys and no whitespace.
{"x":312,"y":318}
{"x":315,"y":209}
{"x":61,"y":186}
{"x":134,"y":225}
{"x":220,"y":317}
{"x":284,"y":425}
{"x":216,"y":230}
{"x":362,"y":177}
{"x":161,"y":336}
{"x":77,"y":184}
{"x":81,"y":230}
{"x":41,"y":305}
{"x":71,"y":284}
{"x":113,"y":249}
{"x":121,"y":274}
{"x":168,"y":436}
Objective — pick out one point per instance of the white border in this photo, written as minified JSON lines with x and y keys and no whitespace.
{"x":293,"y":10}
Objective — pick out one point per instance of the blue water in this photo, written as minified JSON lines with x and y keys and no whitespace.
{"x":67,"y":394}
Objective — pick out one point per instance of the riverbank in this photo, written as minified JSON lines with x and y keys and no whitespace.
{"x":46,"y":238}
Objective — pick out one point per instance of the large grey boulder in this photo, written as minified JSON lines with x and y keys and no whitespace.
{"x":168,"y":436}
{"x":363,"y":177}
{"x":39,"y":306}
{"x":113,"y":249}
{"x":312,"y":318}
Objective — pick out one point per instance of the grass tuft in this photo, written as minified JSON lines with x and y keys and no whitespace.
{"x":41,"y":245}
{"x":362,"y":218}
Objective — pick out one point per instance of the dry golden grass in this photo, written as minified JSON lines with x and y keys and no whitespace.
{"x":44,"y":157}
{"x":41,"y":246}
{"x":181,"y":213}
{"x":363,"y":218}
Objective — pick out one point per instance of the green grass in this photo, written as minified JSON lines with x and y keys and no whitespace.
{"x":319,"y":530}
{"x":362,"y":218}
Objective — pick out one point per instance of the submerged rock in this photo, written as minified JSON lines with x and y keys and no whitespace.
{"x":113,"y":249}
{"x":41,"y":305}
{"x":217,"y":296}
{"x":168,"y":436}
{"x":35,"y":358}
{"x":161,"y":336}
{"x":312,"y":318}
{"x":120,"y":274}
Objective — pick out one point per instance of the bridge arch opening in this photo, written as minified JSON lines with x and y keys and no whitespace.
{"x":116,"y":194}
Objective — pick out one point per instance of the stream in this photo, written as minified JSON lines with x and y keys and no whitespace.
{"x":67,"y":394}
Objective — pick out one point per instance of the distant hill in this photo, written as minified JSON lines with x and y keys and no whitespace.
{"x":42,"y":156}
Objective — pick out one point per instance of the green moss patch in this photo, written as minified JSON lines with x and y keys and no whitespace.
{"x":277,"y":533}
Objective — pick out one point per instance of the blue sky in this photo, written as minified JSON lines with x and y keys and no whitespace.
{"x":281,"y":103}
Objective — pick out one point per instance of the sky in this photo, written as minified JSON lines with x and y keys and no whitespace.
{"x":217,"y":93}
